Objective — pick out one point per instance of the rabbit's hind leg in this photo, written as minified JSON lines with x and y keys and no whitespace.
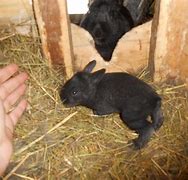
{"x":144,"y":136}
{"x":142,"y":127}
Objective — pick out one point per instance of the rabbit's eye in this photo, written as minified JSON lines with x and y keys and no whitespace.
{"x":74,"y":92}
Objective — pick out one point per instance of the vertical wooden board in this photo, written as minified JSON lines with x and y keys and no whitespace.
{"x":41,"y":28}
{"x":54,"y":29}
{"x":51,"y":17}
{"x":177,"y":56}
{"x":169,"y":53}
{"x":66,"y":38}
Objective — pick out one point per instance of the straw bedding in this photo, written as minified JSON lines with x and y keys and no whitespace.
{"x":54,"y":142}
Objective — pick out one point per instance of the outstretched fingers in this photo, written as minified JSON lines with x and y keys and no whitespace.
{"x":10,"y":85}
{"x":14,"y":97}
{"x":7,"y":72}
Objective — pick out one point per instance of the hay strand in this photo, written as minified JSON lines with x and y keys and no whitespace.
{"x":15,"y":168}
{"x":48,"y":132}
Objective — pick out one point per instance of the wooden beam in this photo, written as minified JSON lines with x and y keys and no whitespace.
{"x":169,"y":42}
{"x":54,"y":28}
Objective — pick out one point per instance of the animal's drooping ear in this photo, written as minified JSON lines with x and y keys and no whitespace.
{"x":89,"y":67}
{"x":98,"y":75}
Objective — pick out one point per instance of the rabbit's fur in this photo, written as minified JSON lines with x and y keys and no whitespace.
{"x":107,"y":21}
{"x":107,"y":93}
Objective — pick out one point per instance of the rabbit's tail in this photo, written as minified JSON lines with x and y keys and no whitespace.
{"x":157,"y":116}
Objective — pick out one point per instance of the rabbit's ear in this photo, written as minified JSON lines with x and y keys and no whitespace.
{"x":89,"y":67}
{"x":98,"y":75}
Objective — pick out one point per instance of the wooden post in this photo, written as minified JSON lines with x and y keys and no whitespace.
{"x":168,"y":59}
{"x":54,"y":28}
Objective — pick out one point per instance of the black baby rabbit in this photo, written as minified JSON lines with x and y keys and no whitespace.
{"x":122,"y":93}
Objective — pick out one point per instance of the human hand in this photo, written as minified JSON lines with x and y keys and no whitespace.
{"x":11,"y":109}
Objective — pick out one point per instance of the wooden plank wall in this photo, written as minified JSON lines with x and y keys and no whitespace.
{"x":130,"y":55}
{"x":169,"y":42}
{"x":168,"y":54}
{"x":54,"y":28}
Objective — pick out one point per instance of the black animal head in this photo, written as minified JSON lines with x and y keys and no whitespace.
{"x":82,"y":86}
{"x":107,"y":21}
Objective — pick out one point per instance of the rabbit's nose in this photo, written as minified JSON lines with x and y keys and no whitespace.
{"x":63,"y":98}
{"x":65,"y":101}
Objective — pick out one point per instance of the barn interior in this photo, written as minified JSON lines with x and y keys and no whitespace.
{"x":55,"y":142}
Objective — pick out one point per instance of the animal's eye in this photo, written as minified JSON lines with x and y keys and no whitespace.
{"x":74,"y":92}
